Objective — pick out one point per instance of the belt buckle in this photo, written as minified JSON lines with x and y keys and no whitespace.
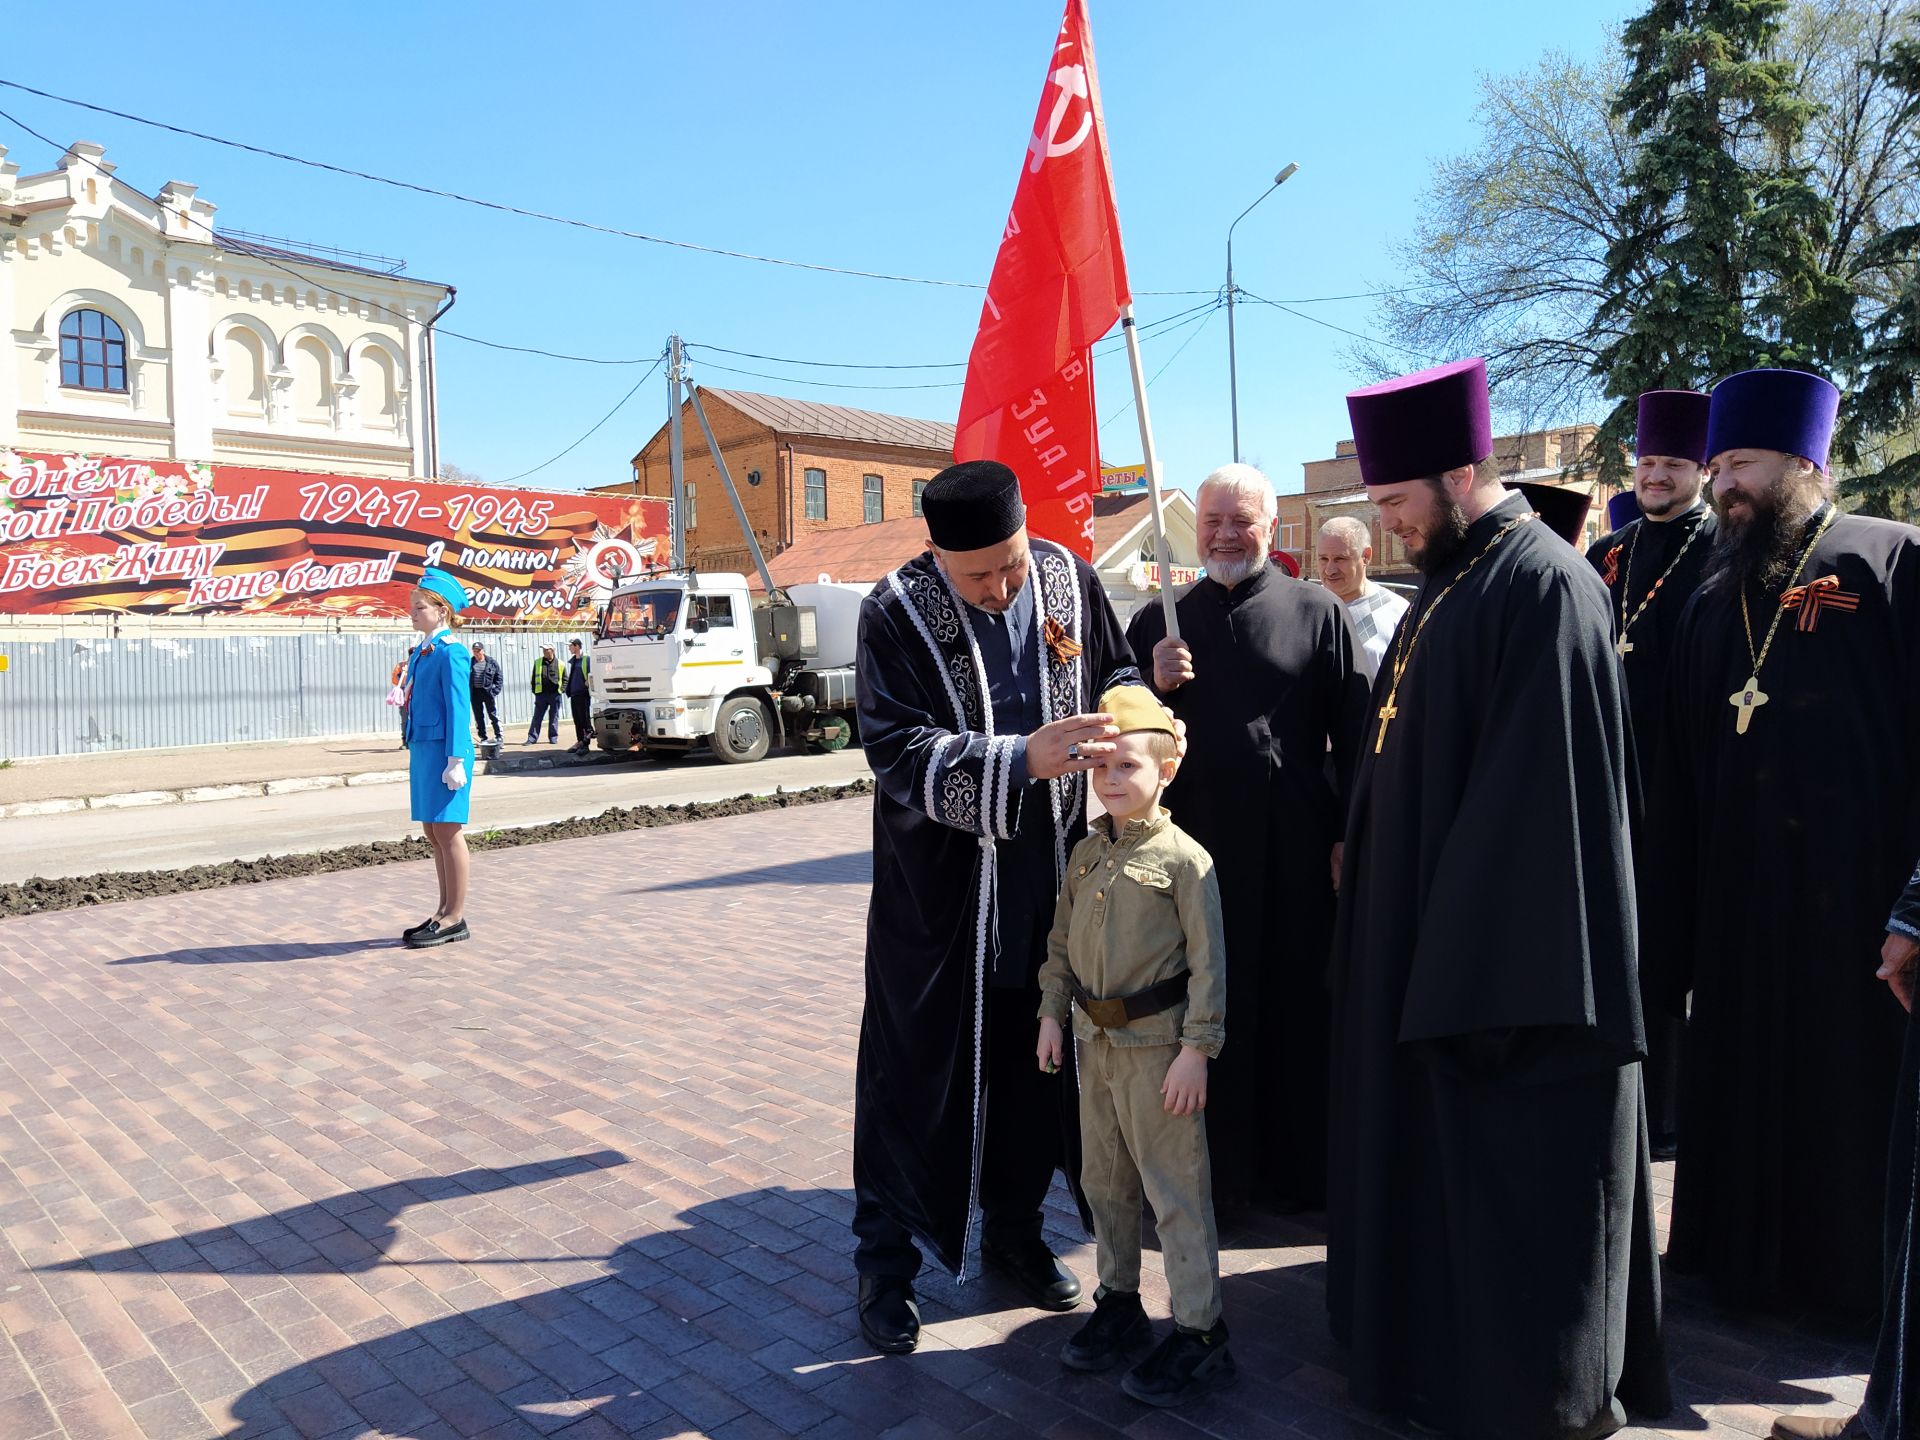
{"x":1107,"y":1014}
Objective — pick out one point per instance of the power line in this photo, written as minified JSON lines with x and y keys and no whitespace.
{"x":500,"y":207}
{"x":1328,"y":324}
{"x":597,"y":424}
{"x":1163,"y":369}
{"x":829,"y":384}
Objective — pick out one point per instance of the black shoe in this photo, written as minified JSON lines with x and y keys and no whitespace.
{"x":434,"y":933}
{"x":888,"y":1316}
{"x":420,"y":929}
{"x":1185,"y":1366}
{"x":1119,"y":1325}
{"x":1665,"y":1147}
{"x":1048,"y":1283}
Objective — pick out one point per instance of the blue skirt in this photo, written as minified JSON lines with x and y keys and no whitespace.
{"x":432,"y":800}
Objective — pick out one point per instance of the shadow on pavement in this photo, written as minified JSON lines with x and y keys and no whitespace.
{"x":855,"y":867}
{"x":265,"y":953}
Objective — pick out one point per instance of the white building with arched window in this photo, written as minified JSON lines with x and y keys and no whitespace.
{"x":141,"y":330}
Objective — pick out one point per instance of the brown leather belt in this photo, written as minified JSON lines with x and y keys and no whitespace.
{"x":1112,"y":1014}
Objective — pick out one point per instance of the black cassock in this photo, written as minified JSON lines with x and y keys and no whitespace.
{"x":1275,"y":680}
{"x":1892,"y":1407}
{"x":1491,"y":1258}
{"x":954,"y":832}
{"x":1804,"y":830}
{"x":1674,"y":554}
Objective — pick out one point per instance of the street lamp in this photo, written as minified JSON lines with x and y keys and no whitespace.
{"x":1233,"y":365}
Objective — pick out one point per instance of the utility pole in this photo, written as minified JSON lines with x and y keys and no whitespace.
{"x":676,"y":459}
{"x":1233,"y":361}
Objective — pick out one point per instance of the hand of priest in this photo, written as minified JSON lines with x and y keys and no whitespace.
{"x":1186,"y":1084}
{"x":1076,"y":743}
{"x":1172,"y":664}
{"x":1052,"y":1046}
{"x":1896,"y":966}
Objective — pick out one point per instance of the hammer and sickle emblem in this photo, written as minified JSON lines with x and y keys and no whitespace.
{"x":1072,"y":80}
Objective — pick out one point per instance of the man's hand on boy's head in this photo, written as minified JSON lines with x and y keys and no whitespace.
{"x":1186,"y":1084}
{"x":1052,"y":1046}
{"x":1076,"y":742}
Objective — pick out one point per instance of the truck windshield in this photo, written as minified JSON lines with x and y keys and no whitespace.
{"x":649,"y":614}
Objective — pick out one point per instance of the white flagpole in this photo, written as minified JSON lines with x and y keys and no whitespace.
{"x":1152,"y":463}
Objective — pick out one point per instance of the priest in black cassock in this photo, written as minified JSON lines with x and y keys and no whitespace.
{"x":1892,"y":1408}
{"x":1265,"y":674}
{"x":1791,"y":759}
{"x":1653,"y":564}
{"x":1491,"y":1261}
{"x":980,"y":664}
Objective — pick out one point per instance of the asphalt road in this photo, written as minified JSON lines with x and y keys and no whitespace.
{"x":173,"y":836}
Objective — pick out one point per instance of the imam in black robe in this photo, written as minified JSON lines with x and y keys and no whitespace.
{"x":1804,"y":830}
{"x":1491,"y":1261}
{"x":1276,"y":679}
{"x":950,"y":1000}
{"x":1631,"y":560}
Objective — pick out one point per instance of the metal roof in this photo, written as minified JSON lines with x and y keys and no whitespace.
{"x":838,"y":422}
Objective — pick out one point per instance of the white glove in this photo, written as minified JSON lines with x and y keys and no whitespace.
{"x":456,"y":774}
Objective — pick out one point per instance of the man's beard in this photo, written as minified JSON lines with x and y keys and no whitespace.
{"x":1231,"y":572}
{"x":1445,"y":541}
{"x":1763,"y":547}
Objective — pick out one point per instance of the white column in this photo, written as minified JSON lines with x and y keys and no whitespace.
{"x":190,"y":392}
{"x":10,"y":371}
{"x":418,"y":397}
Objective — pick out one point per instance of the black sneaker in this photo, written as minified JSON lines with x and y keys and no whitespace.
{"x":1119,"y":1326}
{"x":435,"y":933}
{"x":1183,"y":1367}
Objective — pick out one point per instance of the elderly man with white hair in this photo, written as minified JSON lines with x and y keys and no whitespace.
{"x":1346,"y":549}
{"x":1267,"y":678}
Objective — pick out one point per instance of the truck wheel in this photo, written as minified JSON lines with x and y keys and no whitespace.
{"x":835,"y":734}
{"x":742,"y":731}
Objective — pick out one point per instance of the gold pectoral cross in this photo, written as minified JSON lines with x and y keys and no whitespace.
{"x":1622,"y":647}
{"x":1747,"y":699}
{"x":1387,"y":712}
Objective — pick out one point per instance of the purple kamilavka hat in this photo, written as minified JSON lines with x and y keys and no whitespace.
{"x":1422,"y":424}
{"x":1673,"y":422}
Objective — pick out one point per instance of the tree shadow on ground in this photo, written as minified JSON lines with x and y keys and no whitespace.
{"x":265,"y":953}
{"x":741,"y":1314}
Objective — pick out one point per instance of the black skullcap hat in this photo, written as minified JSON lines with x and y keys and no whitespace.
{"x":972,"y":505}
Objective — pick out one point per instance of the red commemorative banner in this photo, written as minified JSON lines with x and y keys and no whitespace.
{"x":1058,"y":284}
{"x":88,"y":535}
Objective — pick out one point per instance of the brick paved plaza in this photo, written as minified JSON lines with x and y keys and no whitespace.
{"x":265,"y":1173}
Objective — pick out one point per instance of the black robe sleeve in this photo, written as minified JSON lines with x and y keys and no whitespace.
{"x":957,"y":778}
{"x":1345,"y":687}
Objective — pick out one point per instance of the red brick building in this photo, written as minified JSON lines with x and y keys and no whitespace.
{"x":800,"y":468}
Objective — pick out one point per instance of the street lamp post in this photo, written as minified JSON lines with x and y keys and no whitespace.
{"x":1233,"y":364}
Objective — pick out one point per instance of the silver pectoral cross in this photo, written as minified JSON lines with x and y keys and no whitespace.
{"x":1747,"y":699}
{"x":1622,"y":647}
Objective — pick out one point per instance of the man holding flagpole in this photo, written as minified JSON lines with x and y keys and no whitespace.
{"x":979,"y":664}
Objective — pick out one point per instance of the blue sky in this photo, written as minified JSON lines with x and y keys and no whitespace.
{"x":882,"y":136}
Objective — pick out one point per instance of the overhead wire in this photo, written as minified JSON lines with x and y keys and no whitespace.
{"x":596,"y":425}
{"x":1165,"y":366}
{"x":1328,"y":324}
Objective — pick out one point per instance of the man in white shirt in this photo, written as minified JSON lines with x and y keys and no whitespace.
{"x":1346,"y":547}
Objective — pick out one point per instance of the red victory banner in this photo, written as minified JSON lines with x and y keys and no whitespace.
{"x":87,"y":535}
{"x":1058,"y":285}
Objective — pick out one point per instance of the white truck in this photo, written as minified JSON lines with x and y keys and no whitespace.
{"x":684,"y":659}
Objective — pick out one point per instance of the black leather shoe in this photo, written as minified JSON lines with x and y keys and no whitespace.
{"x":1036,"y":1270}
{"x":888,"y":1316}
{"x":1119,"y":1326}
{"x":413,"y":930}
{"x":1185,"y":1366}
{"x":434,"y":933}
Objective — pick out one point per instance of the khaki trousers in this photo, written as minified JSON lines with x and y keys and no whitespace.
{"x":1130,"y":1145}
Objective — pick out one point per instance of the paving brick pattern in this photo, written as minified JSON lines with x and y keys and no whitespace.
{"x":263,"y":1173}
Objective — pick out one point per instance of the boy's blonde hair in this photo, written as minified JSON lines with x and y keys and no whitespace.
{"x":1160,"y":745}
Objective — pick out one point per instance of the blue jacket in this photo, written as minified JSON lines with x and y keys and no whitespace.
{"x":439,"y":706}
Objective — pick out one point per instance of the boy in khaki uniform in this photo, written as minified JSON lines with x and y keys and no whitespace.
{"x":1137,"y":957}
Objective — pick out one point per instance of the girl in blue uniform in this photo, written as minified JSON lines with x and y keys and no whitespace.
{"x":439,"y":734}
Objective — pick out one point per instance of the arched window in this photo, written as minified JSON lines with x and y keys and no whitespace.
{"x":93,"y":352}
